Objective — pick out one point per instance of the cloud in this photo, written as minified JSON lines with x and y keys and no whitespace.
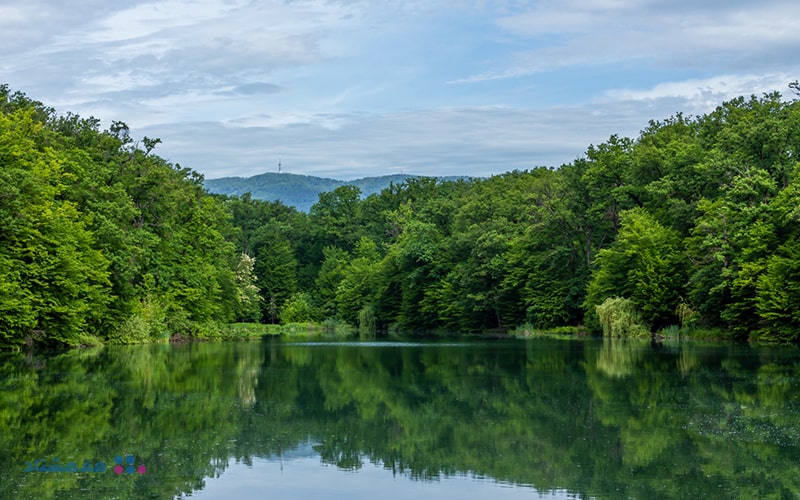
{"x":707,"y":90}
{"x":156,"y":18}
{"x":11,"y":15}
{"x":27,"y":26}
{"x":348,"y":88}
{"x":208,"y":46}
{"x":680,"y":35}
{"x":251,"y":89}
{"x":447,"y":141}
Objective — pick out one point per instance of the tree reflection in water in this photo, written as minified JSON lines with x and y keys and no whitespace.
{"x":592,"y":417}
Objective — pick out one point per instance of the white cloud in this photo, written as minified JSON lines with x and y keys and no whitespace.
{"x":708,"y":90}
{"x":189,"y":44}
{"x":356,"y":87}
{"x":446,"y":141}
{"x":117,"y":82}
{"x":555,"y":35}
{"x":11,"y":15}
{"x":152,"y":18}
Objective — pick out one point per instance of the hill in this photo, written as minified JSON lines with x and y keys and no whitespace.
{"x":299,"y":191}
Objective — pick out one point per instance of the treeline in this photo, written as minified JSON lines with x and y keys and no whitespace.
{"x":691,"y":227}
{"x":103,"y":241}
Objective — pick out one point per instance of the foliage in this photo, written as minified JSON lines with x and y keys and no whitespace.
{"x":619,"y":317}
{"x":147,"y":323}
{"x":244,"y":331}
{"x":102,"y":240}
{"x":643,"y":264}
{"x":298,"y":191}
{"x":366,"y":321}
{"x":694,"y":223}
{"x":247,"y":293}
{"x":297,"y":309}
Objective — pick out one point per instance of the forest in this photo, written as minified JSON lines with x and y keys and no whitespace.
{"x":690,"y":229}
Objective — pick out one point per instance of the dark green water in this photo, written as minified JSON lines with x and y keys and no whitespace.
{"x":540,"y":418}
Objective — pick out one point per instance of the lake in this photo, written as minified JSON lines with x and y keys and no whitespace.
{"x":278,"y":418}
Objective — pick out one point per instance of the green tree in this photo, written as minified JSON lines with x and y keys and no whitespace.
{"x":334,"y":218}
{"x":729,"y":246}
{"x":644,"y":265}
{"x":99,"y":231}
{"x":275,"y":267}
{"x":297,"y":309}
{"x":331,"y":274}
{"x":607,"y":179}
{"x":55,"y":283}
{"x":359,"y":284}
{"x":549,"y":259}
{"x":777,"y":298}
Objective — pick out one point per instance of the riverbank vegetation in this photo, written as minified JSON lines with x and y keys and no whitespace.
{"x":692,"y":226}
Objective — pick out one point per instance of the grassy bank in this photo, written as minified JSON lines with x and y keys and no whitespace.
{"x":527,"y":330}
{"x":245,"y":331}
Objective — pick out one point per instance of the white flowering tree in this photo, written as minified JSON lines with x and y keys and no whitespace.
{"x":247,"y":293}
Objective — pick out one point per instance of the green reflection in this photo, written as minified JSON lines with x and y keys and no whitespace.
{"x":608,"y":418}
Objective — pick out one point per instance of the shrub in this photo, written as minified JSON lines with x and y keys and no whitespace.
{"x":619,"y":317}
{"x":366,"y":321}
{"x":297,"y":309}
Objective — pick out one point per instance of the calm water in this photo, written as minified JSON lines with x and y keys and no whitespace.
{"x":540,"y":418}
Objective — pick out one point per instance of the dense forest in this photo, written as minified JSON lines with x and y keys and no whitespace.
{"x":690,"y":228}
{"x":102,"y":241}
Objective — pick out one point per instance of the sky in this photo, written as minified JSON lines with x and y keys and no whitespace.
{"x":355,"y":88}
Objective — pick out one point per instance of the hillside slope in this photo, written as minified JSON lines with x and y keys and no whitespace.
{"x":299,"y":191}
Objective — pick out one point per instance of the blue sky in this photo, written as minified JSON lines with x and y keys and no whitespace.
{"x":354,"y":88}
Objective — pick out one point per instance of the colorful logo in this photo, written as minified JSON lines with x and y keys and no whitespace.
{"x":125,"y":465}
{"x":128,"y":467}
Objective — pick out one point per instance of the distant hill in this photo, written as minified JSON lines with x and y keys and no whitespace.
{"x":299,"y":191}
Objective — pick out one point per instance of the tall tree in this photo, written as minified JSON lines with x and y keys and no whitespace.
{"x":643,"y":265}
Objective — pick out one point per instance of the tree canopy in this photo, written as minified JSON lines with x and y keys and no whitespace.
{"x":101,"y":239}
{"x":692,"y":224}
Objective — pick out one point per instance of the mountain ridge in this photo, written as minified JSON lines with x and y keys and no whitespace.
{"x":301,"y":191}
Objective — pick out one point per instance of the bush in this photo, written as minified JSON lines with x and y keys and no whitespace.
{"x":671,"y":331}
{"x":366,"y":321}
{"x":243,"y":331}
{"x":529,"y":330}
{"x":297,"y":309}
{"x":619,"y":317}
{"x":337,"y":328}
{"x":147,"y":323}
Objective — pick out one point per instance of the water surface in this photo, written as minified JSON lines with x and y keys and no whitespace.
{"x":539,"y":418}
